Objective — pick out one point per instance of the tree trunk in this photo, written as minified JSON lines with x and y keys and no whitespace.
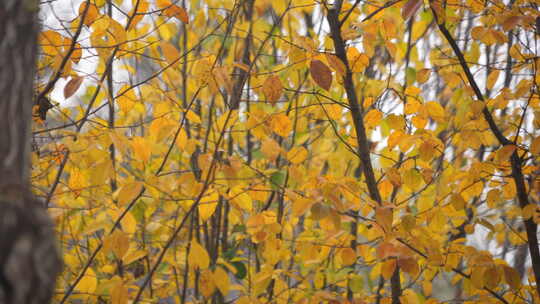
{"x":29,"y":260}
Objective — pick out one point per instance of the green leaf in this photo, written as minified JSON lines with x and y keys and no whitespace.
{"x":277,"y":179}
{"x":241,"y":270}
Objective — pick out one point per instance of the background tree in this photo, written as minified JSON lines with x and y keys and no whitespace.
{"x":291,"y":151}
{"x":29,"y":260}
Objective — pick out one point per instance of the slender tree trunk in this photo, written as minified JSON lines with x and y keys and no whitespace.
{"x":29,"y":260}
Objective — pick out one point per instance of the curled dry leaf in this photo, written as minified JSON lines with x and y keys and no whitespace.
{"x":72,"y":86}
{"x":272,"y":89}
{"x":410,"y":8}
{"x":321,"y":74}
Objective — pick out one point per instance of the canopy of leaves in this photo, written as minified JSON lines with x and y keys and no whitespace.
{"x":292,"y":151}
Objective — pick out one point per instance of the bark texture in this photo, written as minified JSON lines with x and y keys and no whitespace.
{"x":29,"y":260}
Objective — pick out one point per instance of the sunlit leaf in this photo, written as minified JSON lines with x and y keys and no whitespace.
{"x":198,"y":256}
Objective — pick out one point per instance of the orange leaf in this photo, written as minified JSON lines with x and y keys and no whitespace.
{"x":505,"y":152}
{"x":178,"y":12}
{"x":321,"y":74}
{"x":423,"y":75}
{"x":388,"y":268}
{"x":535,"y":146}
{"x":72,"y":86}
{"x":383,"y":216}
{"x":336,"y":64}
{"x":91,"y":14}
{"x":272,"y":89}
{"x":348,"y":256}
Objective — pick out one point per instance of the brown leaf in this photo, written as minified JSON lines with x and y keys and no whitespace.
{"x":72,"y":86}
{"x":410,"y":8}
{"x":512,"y":277}
{"x":511,"y":22}
{"x":272,"y":89}
{"x":321,"y":74}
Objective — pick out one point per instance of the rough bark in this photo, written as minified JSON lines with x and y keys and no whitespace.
{"x":29,"y":260}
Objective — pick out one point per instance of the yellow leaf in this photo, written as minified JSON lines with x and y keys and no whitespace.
{"x":142,"y":148}
{"x":88,"y":283}
{"x":133,"y":256}
{"x":100,"y":26}
{"x":436,"y":111}
{"x":357,"y":61}
{"x":51,"y":42}
{"x":394,"y":176}
{"x":119,"y":294}
{"x":240,"y":199}
{"x":512,"y":277}
{"x":207,"y":205}
{"x":117,"y":31}
{"x":221,"y":279}
{"x":244,"y":300}
{"x":129,"y":223}
{"x":297,"y":155}
{"x":181,"y":140}
{"x":321,"y":74}
{"x":281,"y":124}
{"x":372,"y":118}
{"x":412,"y":179}
{"x":198,"y":257}
{"x":528,"y":211}
{"x":492,"y":79}
{"x":385,"y":187}
{"x":191,"y":116}
{"x":272,"y":89}
{"x":301,"y":205}
{"x":128,"y":192}
{"x":394,"y":139}
{"x":161,"y":128}
{"x":206,"y":283}
{"x":493,"y":197}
